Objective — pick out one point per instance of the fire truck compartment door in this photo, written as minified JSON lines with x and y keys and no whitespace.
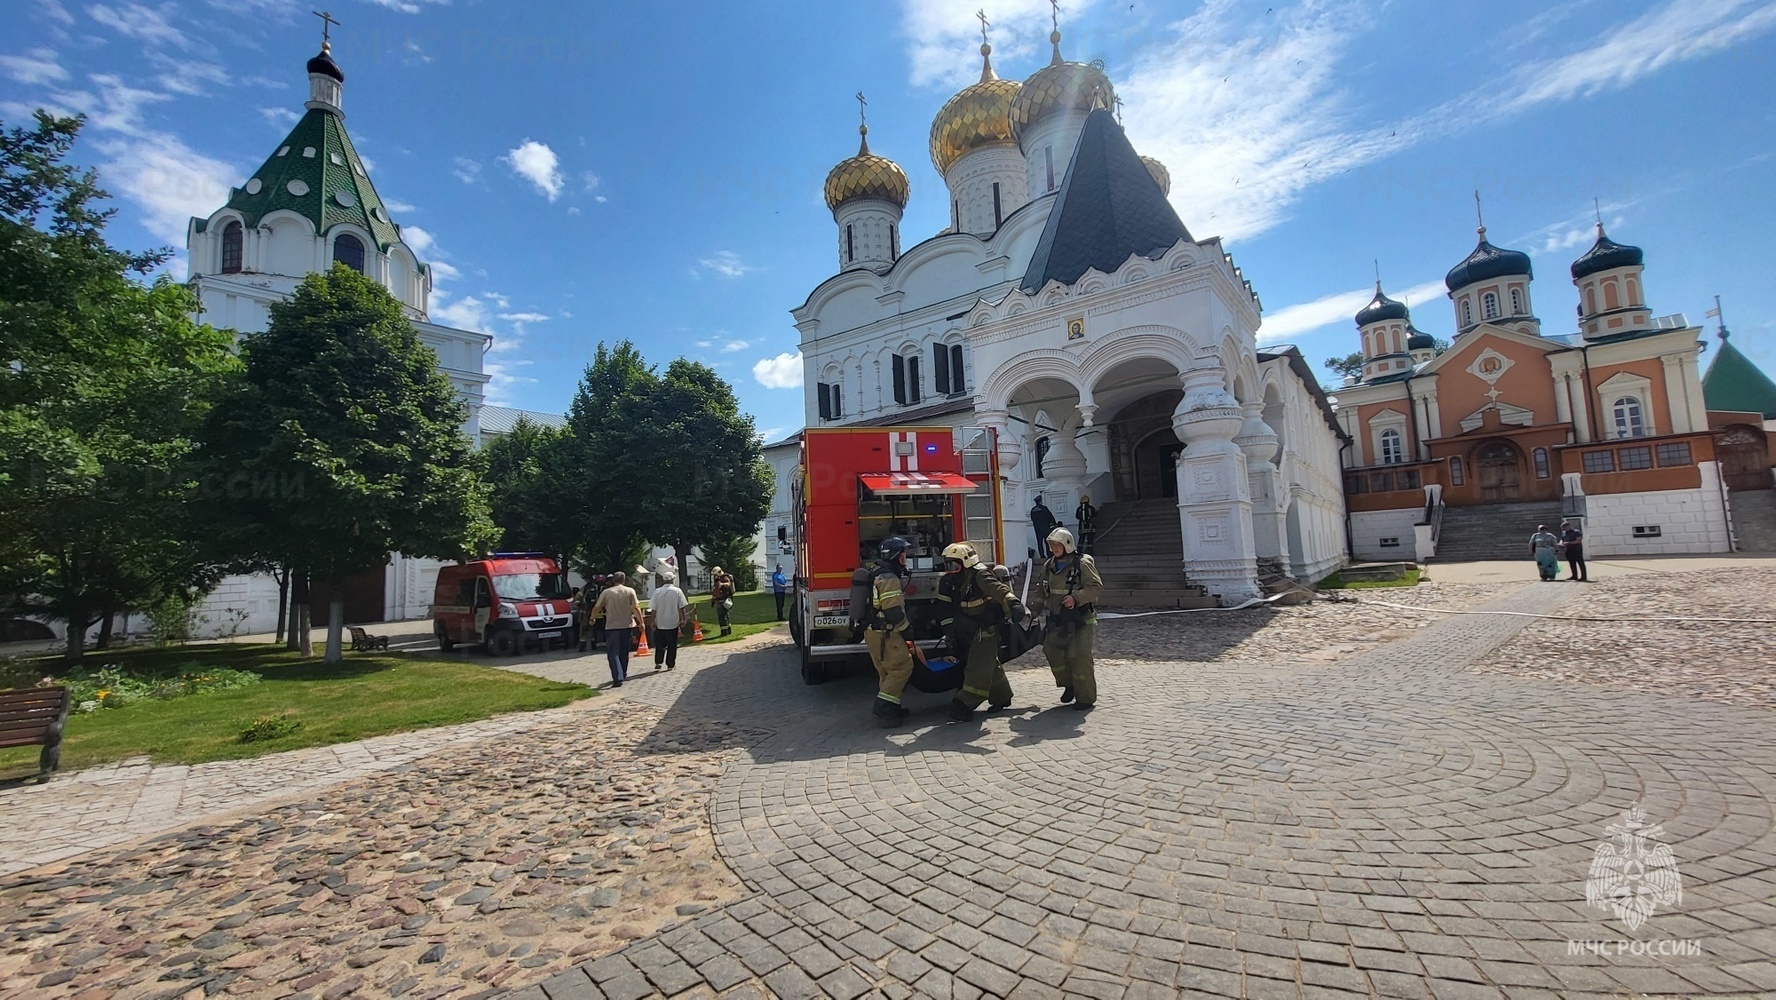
{"x":917,"y":483}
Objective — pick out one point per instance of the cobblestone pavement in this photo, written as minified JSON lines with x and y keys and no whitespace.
{"x":507,"y":859}
{"x":1393,"y":824}
{"x":1720,"y":661}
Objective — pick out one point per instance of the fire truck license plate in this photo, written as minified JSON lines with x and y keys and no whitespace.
{"x":549,"y":635}
{"x":831,"y":621}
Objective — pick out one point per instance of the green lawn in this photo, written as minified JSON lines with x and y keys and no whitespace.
{"x":367,"y":695}
{"x":1337,"y":582}
{"x":753,"y":613}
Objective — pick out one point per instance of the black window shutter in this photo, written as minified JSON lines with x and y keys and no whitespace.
{"x":914,"y":384}
{"x":958,"y":380}
{"x":940,"y":368}
{"x":900,"y":380}
{"x":825,"y":401}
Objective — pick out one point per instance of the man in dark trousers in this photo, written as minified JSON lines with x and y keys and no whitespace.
{"x":1574,"y":540}
{"x":1043,"y":520}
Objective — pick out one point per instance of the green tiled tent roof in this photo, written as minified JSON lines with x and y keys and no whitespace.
{"x":1734,"y":383}
{"x":334,"y":184}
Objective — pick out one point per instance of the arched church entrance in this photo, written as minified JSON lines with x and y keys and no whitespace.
{"x":1500,"y":467}
{"x":1744,"y":455}
{"x":1144,"y":449}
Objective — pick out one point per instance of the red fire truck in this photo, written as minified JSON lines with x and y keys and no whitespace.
{"x":858,"y":485}
{"x":505,"y":603}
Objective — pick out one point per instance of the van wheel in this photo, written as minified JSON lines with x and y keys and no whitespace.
{"x":813,"y":672}
{"x":503,"y":643}
{"x":445,"y":643}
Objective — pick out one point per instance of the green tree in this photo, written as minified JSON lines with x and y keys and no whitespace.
{"x":606,"y":473}
{"x":524,"y":472}
{"x":345,"y":443}
{"x":734,"y":554}
{"x":706,"y":477}
{"x":103,"y":384}
{"x":1346,"y":366}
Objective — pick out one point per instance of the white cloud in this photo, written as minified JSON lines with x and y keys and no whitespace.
{"x":1335,"y":309}
{"x":187,"y":76}
{"x":601,"y":199}
{"x":538,"y":164}
{"x":442,"y":271}
{"x":115,"y":107}
{"x":503,"y":381}
{"x":466,"y":170}
{"x":591,"y":180}
{"x":733,"y":345}
{"x":399,"y":207}
{"x":416,"y":53}
{"x":281,"y":117}
{"x":168,"y":180}
{"x":770,"y":434}
{"x":142,"y":23}
{"x":35,"y":66}
{"x":573,"y":209}
{"x":520,"y":319}
{"x":466,"y":313}
{"x":54,"y":10}
{"x":944,"y":38}
{"x":418,"y":239}
{"x":781,"y":372}
{"x":726,"y":263}
{"x":498,"y":299}
{"x":407,"y":6}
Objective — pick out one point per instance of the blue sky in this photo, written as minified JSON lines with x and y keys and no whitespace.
{"x":584,"y":172}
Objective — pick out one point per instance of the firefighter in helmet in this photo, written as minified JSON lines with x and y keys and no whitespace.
{"x":878,"y":604}
{"x":980,"y":601}
{"x":1068,"y":590}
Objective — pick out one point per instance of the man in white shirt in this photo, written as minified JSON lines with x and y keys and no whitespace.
{"x":622,"y":616}
{"x":669,"y":608}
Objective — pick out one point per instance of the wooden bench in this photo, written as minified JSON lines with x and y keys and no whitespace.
{"x":363,"y":642}
{"x":35,"y":715}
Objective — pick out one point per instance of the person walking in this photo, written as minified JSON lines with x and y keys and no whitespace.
{"x":669,"y":608}
{"x":878,"y":604}
{"x":1087,"y":517}
{"x":1043,"y":520}
{"x":779,"y":588}
{"x":721,"y":594}
{"x":1574,"y":540}
{"x":982,"y":601}
{"x":1544,"y":545}
{"x":1068,"y":590}
{"x":622,"y":615}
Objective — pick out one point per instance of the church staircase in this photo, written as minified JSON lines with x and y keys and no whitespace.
{"x":1754,"y":519}
{"x":1139,"y":553}
{"x":1493,"y":532}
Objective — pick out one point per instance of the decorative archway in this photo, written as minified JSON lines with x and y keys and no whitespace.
{"x":1143,"y":447}
{"x":1499,"y":466}
{"x":1744,"y":454}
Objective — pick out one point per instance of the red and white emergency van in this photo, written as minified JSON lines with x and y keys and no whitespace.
{"x":504,"y":603}
{"x":856,"y":486}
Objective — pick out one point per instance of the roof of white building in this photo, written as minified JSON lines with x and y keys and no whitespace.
{"x":501,"y":419}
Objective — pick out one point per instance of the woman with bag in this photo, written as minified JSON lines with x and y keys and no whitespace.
{"x":721,"y":594}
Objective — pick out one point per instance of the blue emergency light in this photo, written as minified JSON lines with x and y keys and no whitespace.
{"x":521,"y":555}
{"x":931,"y":449}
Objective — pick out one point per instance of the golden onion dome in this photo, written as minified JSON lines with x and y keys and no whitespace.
{"x":979,"y":115}
{"x":1161,"y":175}
{"x":866,"y":175}
{"x":1059,"y":86}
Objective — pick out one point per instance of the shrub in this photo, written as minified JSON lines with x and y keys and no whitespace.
{"x":270,"y":727}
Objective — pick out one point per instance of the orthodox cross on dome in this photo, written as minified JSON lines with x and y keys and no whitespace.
{"x":862,"y":123}
{"x":1054,"y":16}
{"x":1597,"y":206}
{"x":981,"y":16}
{"x":1117,"y":100}
{"x":327,"y":23}
{"x":1478,"y":214}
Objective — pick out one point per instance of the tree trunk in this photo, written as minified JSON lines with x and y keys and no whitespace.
{"x":78,"y":623}
{"x":291,"y":642}
{"x":683,"y":554}
{"x":335,"y":622}
{"x":300,"y":626}
{"x":283,"y":578}
{"x":106,"y":624}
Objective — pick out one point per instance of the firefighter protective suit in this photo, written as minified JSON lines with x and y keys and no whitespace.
{"x":1068,"y":640}
{"x":885,"y":628}
{"x":979,"y":602}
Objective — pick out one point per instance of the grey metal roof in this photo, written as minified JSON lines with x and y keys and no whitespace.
{"x":1109,"y":208}
{"x":501,"y":419}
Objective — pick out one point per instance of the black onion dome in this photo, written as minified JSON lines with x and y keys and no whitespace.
{"x":324,"y":65}
{"x":1488,"y":261}
{"x":1420,"y":341}
{"x":1604,"y":255}
{"x":1381,"y":308}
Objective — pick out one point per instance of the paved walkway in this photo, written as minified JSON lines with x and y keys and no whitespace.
{"x":1598,"y":568}
{"x":1393,"y":825}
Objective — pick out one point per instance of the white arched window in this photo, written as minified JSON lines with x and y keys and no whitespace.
{"x":1489,"y":305}
{"x":349,"y":250}
{"x":1517,"y":302}
{"x":233,"y":237}
{"x":1467,"y":312}
{"x":1629,"y":422}
{"x":1393,"y":448}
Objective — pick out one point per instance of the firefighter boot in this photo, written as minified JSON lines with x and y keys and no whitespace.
{"x":961,"y":712}
{"x":888,"y":714}
{"x":1066,"y":694}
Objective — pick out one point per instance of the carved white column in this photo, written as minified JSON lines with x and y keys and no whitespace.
{"x":1214,"y":502}
{"x":1675,"y":401}
{"x":1011,"y":496}
{"x":1063,"y":471}
{"x":1260,"y":444}
{"x":1581,"y":409}
{"x":1562,"y":403}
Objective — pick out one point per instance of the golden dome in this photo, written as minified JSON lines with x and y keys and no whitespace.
{"x":866,"y":175}
{"x":1161,"y":175}
{"x":1059,"y":86}
{"x":979,"y":115}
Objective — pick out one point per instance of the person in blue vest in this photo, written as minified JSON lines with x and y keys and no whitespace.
{"x":779,"y":588}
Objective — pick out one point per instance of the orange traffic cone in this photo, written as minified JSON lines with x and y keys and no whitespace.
{"x":696,"y":630}
{"x":643,"y":650}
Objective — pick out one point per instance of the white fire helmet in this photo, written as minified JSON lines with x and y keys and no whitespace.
{"x":1063,"y":536}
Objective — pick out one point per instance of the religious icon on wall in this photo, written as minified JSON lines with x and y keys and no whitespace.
{"x":1076,"y":328}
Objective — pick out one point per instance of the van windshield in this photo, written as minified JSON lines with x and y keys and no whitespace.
{"x":532,"y":587}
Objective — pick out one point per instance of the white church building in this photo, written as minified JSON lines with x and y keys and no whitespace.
{"x":1068,"y":308}
{"x":312,"y":204}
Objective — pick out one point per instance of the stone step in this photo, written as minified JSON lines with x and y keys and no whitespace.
{"x":1493,"y":531}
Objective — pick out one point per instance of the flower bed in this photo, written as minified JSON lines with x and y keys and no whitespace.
{"x":111,"y":686}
